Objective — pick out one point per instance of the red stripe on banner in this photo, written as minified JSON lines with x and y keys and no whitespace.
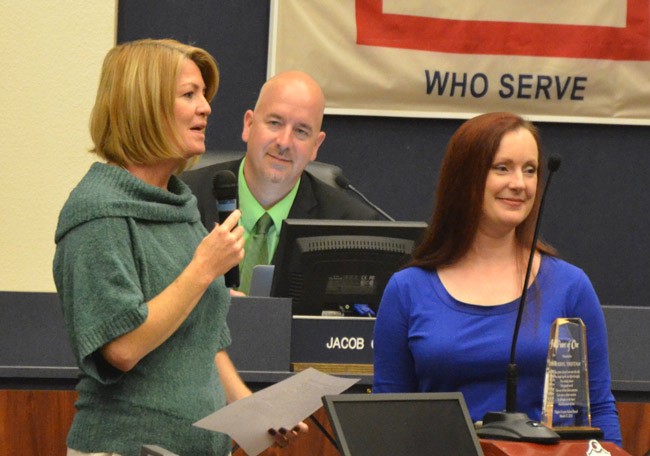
{"x":632,"y":42}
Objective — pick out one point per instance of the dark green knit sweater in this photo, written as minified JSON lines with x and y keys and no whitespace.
{"x":120,"y":242}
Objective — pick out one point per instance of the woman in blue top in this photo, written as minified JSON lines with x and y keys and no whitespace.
{"x":446,"y":322}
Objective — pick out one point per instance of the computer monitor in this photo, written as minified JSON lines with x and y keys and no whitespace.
{"x":416,"y":424}
{"x":330,"y":265}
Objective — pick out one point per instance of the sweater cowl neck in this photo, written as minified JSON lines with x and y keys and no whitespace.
{"x":111,"y":191}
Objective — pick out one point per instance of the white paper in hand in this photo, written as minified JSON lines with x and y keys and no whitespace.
{"x":283,"y":404}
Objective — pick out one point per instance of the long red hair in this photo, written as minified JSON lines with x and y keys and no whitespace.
{"x":461,"y":187}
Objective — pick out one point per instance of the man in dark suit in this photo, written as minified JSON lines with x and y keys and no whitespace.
{"x":314,"y":200}
{"x":282,"y":134}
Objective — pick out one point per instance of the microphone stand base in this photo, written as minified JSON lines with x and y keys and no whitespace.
{"x":516,"y":427}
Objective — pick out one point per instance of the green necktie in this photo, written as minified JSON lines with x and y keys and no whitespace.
{"x":256,"y":251}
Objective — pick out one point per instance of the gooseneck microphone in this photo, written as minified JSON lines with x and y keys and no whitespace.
{"x":343,"y":182}
{"x":511,"y":425}
{"x":224,"y":190}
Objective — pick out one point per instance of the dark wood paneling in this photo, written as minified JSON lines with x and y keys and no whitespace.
{"x":37,"y":422}
{"x":635,"y":427}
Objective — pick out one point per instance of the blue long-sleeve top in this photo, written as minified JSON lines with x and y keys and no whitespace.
{"x":427,"y":341}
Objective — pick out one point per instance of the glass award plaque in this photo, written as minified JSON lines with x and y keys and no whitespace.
{"x":566,"y":386}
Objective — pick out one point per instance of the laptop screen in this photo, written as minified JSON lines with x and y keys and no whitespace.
{"x":417,"y":424}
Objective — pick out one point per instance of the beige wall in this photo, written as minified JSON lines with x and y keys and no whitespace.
{"x":51,"y":53}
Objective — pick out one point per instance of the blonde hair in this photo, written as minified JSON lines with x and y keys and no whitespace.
{"x":132,"y":121}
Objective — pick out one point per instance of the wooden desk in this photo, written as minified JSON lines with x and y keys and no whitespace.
{"x":37,"y":422}
{"x":564,"y":448}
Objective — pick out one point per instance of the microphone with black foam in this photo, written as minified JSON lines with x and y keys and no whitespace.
{"x":343,"y":182}
{"x":512,"y":425}
{"x":224,"y":190}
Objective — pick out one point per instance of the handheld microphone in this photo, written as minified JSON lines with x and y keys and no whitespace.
{"x":511,"y":425}
{"x":224,"y":190}
{"x":343,"y":182}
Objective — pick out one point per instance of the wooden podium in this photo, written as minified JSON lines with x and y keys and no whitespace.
{"x":564,"y":448}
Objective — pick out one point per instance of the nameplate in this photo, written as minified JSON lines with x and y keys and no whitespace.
{"x":332,"y":344}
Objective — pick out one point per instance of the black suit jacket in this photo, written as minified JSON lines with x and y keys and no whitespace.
{"x":315,"y":199}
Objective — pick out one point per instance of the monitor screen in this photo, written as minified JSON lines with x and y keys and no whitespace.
{"x":330,"y":265}
{"x":426,"y":424}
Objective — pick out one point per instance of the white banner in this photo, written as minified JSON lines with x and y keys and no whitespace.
{"x":579,"y":61}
